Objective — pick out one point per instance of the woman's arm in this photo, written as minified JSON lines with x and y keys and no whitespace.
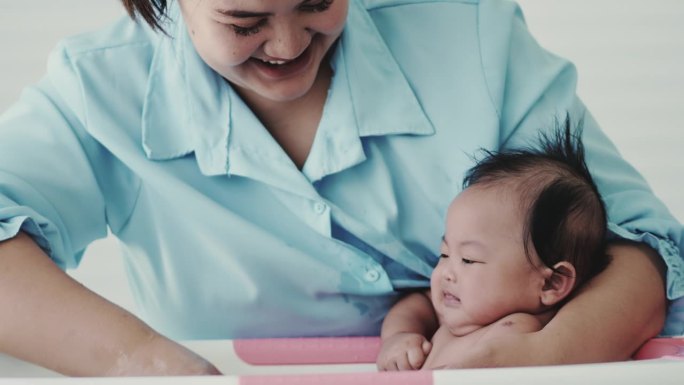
{"x":608,"y":320}
{"x":625,"y":305}
{"x":50,"y":319}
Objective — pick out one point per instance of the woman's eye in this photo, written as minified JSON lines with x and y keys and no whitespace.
{"x":250,"y":30}
{"x":315,"y":6}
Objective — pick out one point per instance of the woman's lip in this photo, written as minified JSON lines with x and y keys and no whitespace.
{"x":288,"y":69}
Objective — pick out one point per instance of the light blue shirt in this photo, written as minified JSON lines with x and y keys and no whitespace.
{"x":223,"y":236}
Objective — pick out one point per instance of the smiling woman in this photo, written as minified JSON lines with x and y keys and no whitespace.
{"x":283,"y":168}
{"x":241,"y":45}
{"x":274,"y":57}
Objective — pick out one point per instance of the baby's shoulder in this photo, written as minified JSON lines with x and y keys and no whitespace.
{"x":515,"y":323}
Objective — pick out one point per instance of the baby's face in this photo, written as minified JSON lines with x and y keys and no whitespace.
{"x":483,"y":273}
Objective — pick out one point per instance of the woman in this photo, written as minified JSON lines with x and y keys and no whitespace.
{"x":282,"y":168}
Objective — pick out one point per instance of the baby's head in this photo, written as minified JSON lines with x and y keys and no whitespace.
{"x":526,"y":231}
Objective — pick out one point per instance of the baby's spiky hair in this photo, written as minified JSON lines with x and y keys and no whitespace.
{"x":566,"y":217}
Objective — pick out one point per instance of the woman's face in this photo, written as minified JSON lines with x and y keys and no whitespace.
{"x":267,"y":48}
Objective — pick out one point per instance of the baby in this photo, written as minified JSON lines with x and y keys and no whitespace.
{"x":528,"y":229}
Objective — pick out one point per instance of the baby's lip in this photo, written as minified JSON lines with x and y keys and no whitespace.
{"x":450,"y":299}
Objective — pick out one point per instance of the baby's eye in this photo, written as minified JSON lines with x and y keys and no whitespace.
{"x":443,"y":256}
{"x":467,"y":261}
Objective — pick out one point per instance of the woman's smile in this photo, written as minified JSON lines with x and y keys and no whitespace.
{"x":276,"y":69}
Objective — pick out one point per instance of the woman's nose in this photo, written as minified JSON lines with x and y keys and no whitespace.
{"x":288,"y":41}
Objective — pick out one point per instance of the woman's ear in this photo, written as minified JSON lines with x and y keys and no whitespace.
{"x":559,"y":282}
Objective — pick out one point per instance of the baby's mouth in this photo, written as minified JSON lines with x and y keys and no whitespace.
{"x":450,"y":299}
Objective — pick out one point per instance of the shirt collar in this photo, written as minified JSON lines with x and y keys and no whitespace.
{"x":187,"y":106}
{"x":190,"y":108}
{"x":383,"y":100}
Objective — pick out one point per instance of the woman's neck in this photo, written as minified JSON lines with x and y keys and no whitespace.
{"x":293,"y":123}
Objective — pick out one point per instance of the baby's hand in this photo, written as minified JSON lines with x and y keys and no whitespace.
{"x":403,"y":351}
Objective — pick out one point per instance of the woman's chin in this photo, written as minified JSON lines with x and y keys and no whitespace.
{"x":285,"y":93}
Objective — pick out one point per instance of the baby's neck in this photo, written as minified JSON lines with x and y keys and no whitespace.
{"x":546,"y":316}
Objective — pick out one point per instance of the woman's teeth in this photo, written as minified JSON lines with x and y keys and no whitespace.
{"x":274,"y":62}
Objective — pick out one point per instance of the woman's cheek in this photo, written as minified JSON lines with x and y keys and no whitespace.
{"x":223,"y":52}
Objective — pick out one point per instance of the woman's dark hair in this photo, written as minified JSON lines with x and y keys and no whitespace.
{"x":152,"y":11}
{"x":566,"y":217}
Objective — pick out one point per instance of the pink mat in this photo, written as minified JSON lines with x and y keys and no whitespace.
{"x":358,"y":350}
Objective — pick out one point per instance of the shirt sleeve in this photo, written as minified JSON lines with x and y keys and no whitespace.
{"x":47,"y":185}
{"x":531,"y":89}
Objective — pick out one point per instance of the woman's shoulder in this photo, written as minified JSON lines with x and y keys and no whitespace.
{"x":89,"y":70}
{"x":123,"y":48}
{"x":500,"y":5}
{"x":492,"y":18}
{"x":375,"y":4}
{"x":123,"y":34}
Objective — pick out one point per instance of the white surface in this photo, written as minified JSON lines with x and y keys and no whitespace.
{"x":221,"y":353}
{"x":629,"y":53}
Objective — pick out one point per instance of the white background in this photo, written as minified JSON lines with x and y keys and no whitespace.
{"x":629,"y":53}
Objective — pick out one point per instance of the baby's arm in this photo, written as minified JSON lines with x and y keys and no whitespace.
{"x":405,"y":332}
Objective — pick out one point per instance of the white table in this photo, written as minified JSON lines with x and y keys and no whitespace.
{"x":222,"y":354}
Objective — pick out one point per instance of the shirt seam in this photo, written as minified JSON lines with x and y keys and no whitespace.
{"x":485,"y":77}
{"x":78,"y":52}
{"x":400,"y":3}
{"x":80,"y":138}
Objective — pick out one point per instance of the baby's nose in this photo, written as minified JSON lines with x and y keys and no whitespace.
{"x":449,"y":275}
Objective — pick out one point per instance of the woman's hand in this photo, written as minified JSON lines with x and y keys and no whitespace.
{"x":53,"y":321}
{"x":403,"y":351}
{"x":607,"y":320}
{"x":159,"y":356}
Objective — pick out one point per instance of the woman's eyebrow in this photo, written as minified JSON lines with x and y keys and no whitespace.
{"x":242,"y":14}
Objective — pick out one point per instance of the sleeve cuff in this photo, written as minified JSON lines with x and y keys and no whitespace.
{"x":667,"y":250}
{"x":16,"y":219}
{"x":674,"y":322}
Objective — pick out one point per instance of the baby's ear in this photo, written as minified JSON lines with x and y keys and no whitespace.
{"x":558,"y":283}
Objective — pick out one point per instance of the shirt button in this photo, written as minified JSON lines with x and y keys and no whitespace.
{"x":319,"y":207}
{"x":371,"y":275}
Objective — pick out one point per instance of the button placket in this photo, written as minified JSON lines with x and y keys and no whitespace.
{"x":371,"y":274}
{"x":320,"y":207}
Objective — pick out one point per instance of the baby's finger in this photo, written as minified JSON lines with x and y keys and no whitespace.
{"x":403,"y":362}
{"x":416,"y":358}
{"x":386,"y":363}
{"x":427,"y":346}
